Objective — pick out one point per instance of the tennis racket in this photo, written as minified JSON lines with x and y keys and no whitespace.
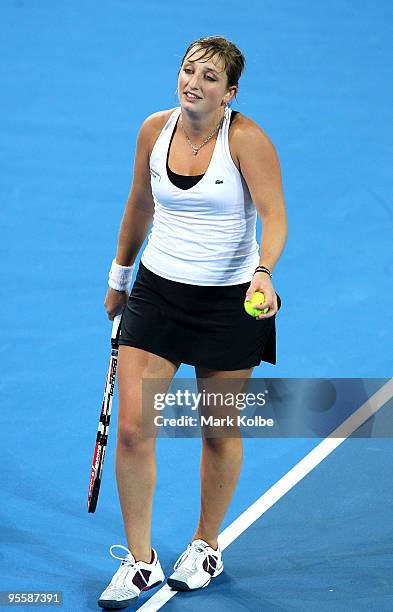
{"x":103,"y":425}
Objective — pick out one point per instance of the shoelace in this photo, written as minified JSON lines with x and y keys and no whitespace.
{"x":188,"y":559}
{"x":128,"y":563}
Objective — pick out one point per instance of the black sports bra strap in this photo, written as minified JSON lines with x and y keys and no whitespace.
{"x":180,"y":180}
{"x":233,"y":115}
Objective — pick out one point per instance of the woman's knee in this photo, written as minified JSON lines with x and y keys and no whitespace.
{"x":129,"y":435}
{"x":133,"y":436}
{"x":228,"y":442}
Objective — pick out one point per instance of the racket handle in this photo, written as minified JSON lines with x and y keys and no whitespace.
{"x":115,"y":326}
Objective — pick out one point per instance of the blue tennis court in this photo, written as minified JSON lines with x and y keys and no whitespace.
{"x":78,"y":80}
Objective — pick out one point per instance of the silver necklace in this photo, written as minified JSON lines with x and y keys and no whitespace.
{"x":195,"y":149}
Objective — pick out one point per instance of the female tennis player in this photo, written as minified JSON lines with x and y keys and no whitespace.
{"x":202,"y":173}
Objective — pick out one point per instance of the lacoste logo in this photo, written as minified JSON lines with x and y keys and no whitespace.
{"x":219,"y":181}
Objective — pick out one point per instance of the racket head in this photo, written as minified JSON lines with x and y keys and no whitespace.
{"x":94,"y":485}
{"x":93,"y":499}
{"x":103,"y":425}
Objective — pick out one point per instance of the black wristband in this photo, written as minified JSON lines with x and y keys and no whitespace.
{"x":263,"y":269}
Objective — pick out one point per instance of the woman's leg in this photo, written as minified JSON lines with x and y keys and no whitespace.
{"x":135,"y":454}
{"x":220,"y":463}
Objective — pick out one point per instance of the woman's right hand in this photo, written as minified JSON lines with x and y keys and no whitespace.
{"x":115,"y":302}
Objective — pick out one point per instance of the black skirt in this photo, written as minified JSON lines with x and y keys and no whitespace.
{"x":204,"y":326}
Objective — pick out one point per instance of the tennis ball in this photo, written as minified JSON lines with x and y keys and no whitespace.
{"x":257,"y":299}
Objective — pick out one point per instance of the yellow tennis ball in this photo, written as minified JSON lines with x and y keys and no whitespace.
{"x":257,"y":299}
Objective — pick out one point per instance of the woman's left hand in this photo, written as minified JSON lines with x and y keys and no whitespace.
{"x":262,"y":282}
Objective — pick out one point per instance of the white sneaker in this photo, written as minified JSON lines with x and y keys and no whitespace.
{"x":196,"y":567}
{"x":131,"y":578}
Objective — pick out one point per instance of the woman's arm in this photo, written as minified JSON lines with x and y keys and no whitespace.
{"x":139,"y":209}
{"x":138,"y":213}
{"x":260,"y":167}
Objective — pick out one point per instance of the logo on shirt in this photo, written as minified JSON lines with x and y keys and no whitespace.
{"x":219,"y":181}
{"x":155,"y":174}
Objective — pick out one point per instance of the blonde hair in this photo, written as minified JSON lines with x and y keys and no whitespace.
{"x":232,"y":58}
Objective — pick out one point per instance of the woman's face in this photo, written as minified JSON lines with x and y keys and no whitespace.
{"x":206,"y":79}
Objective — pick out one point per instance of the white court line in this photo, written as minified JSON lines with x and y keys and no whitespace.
{"x":287,"y":482}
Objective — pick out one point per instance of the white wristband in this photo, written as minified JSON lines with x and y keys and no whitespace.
{"x":120,"y":276}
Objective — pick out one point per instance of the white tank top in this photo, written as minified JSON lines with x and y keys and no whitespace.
{"x":205,"y":235}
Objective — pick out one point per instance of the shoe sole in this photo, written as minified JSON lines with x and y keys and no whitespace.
{"x":178,"y":585}
{"x":112,"y":604}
